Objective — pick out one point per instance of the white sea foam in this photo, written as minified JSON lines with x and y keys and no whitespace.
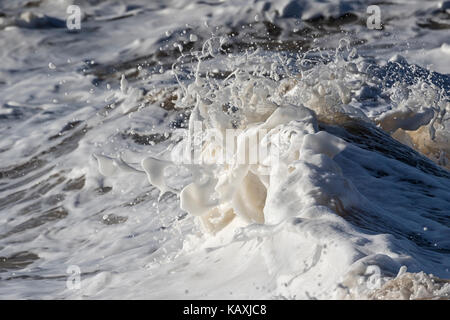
{"x":345,"y":211}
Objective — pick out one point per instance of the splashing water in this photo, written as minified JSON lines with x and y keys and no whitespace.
{"x":283,"y":156}
{"x":297,"y":209}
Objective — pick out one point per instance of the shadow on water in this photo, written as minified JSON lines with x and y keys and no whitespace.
{"x":421,"y":195}
{"x":17,"y":261}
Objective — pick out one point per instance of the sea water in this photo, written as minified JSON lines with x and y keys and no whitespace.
{"x":116,"y":179}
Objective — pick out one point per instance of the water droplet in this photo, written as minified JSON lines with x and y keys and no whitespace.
{"x":193,"y":38}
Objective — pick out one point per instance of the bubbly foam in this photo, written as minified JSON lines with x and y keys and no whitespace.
{"x":104,"y":170}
